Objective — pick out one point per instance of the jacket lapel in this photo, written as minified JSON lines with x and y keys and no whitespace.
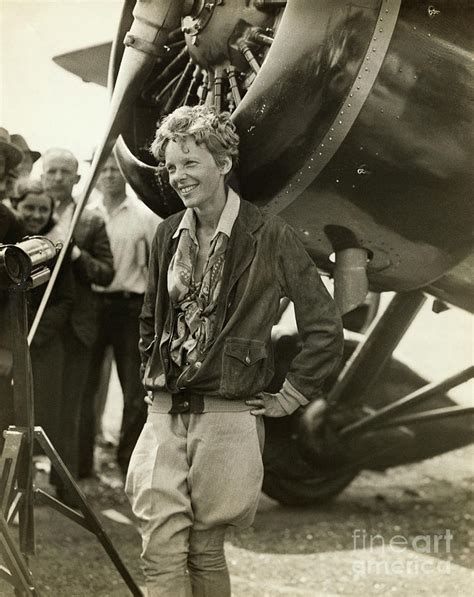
{"x":242,"y":244}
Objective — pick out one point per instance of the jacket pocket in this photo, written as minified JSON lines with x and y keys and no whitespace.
{"x":243,"y":367}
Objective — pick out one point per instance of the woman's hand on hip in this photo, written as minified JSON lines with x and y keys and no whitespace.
{"x":267,"y":405}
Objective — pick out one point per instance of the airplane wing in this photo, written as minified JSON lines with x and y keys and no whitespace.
{"x":90,"y":64}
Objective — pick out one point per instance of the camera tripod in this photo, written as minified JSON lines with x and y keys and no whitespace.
{"x":18,"y":495}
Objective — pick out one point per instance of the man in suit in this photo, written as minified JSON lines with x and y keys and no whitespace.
{"x":92,"y":264}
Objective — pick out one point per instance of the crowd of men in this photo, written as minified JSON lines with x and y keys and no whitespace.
{"x":108,"y":260}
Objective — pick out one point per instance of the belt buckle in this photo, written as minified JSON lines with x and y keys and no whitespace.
{"x":180,"y":403}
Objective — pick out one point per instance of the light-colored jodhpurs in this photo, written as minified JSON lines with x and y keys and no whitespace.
{"x":191,"y":476}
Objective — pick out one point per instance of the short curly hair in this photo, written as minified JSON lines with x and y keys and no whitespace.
{"x":205,"y":125}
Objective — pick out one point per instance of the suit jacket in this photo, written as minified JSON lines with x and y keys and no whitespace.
{"x":94,"y":266}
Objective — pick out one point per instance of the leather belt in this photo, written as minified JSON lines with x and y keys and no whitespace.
{"x":187,"y":401}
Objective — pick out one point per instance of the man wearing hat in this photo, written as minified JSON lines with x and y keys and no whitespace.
{"x":10,"y":232}
{"x":22,"y":170}
{"x":29,"y":156}
{"x":10,"y":158}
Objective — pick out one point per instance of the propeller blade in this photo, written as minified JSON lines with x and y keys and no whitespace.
{"x":152,"y":23}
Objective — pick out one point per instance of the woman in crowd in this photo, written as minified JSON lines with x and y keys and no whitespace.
{"x":36,"y":209}
{"x":217,"y":273}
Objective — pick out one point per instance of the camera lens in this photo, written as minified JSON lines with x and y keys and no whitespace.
{"x":17,"y":265}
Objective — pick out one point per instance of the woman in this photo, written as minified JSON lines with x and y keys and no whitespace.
{"x":217,"y":273}
{"x":36,"y":209}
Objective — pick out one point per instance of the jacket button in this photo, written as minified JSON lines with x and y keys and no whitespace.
{"x":185,"y":404}
{"x":198,"y":364}
{"x":247,"y":359}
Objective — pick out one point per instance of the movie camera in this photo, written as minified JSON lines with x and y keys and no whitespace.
{"x":24,"y":265}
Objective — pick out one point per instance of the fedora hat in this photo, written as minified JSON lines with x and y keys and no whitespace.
{"x":12,"y":153}
{"x":20,"y":142}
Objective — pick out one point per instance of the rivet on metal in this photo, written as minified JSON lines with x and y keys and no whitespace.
{"x":348,"y":105}
{"x":340,"y":122}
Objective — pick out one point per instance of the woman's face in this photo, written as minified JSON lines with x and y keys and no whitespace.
{"x":194,"y":174}
{"x":35,"y":211}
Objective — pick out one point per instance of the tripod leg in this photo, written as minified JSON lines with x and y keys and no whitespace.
{"x":89,"y":519}
{"x":9,"y":461}
{"x":17,"y":572}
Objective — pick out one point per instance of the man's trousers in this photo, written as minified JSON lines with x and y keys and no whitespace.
{"x":117,"y":327}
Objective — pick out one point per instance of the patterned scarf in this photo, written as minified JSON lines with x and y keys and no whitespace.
{"x":195,"y":302}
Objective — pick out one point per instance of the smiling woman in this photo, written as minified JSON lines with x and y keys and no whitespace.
{"x":218,"y":271}
{"x":35,"y":207}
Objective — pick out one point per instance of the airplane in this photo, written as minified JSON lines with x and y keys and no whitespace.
{"x":356,"y":127}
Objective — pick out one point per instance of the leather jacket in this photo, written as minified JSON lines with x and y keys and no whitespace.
{"x":265,"y":261}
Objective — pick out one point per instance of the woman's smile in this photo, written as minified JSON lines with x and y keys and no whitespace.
{"x":186,"y":190}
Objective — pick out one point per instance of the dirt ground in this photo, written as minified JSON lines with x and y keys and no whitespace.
{"x":377,"y":537}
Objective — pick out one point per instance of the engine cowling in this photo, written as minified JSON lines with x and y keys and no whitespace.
{"x":346,"y":127}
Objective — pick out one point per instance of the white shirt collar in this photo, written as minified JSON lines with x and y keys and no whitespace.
{"x":226,"y":221}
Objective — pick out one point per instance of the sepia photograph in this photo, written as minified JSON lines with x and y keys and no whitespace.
{"x":236,"y":298}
